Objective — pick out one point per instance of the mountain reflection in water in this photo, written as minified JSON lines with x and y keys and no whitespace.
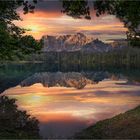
{"x":73,"y":100}
{"x":70,"y":79}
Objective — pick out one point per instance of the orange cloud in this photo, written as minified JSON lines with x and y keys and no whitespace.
{"x":55,"y":23}
{"x":114,"y":27}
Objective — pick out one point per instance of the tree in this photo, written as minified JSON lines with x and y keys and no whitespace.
{"x":127,"y":11}
{"x":8,"y":43}
{"x":8,"y":13}
{"x":76,"y":9}
{"x":29,"y":44}
{"x":12,"y":42}
{"x":14,"y":123}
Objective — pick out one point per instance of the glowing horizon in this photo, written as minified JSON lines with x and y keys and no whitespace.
{"x":52,"y":22}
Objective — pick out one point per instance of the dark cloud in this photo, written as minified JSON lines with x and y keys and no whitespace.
{"x":49,"y":6}
{"x":103,"y":32}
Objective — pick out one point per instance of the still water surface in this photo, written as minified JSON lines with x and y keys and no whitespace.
{"x":67,"y":102}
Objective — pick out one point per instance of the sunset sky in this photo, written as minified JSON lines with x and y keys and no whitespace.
{"x":49,"y":20}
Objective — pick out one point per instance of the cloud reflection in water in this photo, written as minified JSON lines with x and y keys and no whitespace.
{"x":65,"y":110}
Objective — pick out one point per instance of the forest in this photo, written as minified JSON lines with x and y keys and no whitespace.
{"x":124,"y":58}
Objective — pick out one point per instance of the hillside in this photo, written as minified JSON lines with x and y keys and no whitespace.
{"x":122,"y":126}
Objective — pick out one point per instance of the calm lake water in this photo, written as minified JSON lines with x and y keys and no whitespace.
{"x":67,"y":102}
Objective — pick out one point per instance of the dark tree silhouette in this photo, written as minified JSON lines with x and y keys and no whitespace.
{"x":8,"y":13}
{"x":14,"y":123}
{"x":12,"y":41}
{"x":127,"y":11}
{"x":76,"y":9}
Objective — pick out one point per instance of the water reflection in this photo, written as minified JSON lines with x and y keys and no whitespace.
{"x":70,"y":79}
{"x":65,"y":103}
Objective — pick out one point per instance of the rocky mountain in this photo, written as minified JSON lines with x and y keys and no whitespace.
{"x":76,"y":42}
{"x":65,"y":42}
{"x":96,"y":46}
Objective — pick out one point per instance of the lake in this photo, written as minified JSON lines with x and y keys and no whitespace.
{"x":66,"y":102}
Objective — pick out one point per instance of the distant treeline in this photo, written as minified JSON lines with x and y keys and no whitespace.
{"x":126,"y":58}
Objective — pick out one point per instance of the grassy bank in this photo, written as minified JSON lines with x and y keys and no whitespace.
{"x":122,"y":126}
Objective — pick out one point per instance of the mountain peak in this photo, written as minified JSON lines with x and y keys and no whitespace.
{"x":74,"y":42}
{"x":80,"y":34}
{"x":65,"y":42}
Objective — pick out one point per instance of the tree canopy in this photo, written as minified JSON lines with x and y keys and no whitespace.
{"x":127,"y":11}
{"x":8,"y":13}
{"x":13,"y":45}
{"x":14,"y":123}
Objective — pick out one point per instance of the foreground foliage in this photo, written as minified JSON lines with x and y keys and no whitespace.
{"x":15,"y":48}
{"x":122,"y":126}
{"x":13,"y":44}
{"x":14,"y":123}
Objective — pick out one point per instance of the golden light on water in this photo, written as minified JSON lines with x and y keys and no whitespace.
{"x":63,"y":104}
